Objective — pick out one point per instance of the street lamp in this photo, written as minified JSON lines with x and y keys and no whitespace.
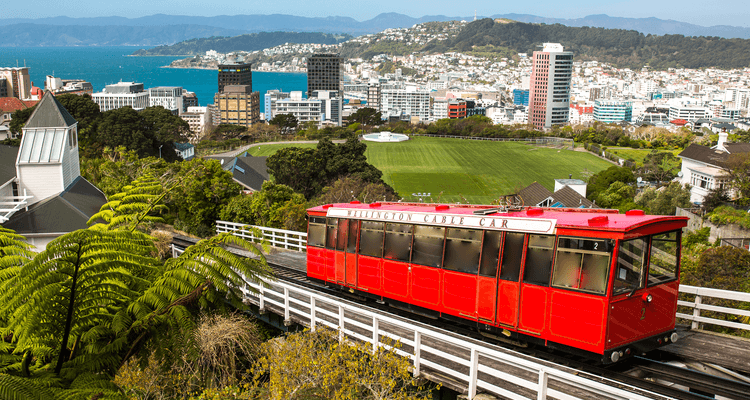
{"x":160,"y":150}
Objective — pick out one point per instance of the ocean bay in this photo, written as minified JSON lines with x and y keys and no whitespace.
{"x":111,"y":64}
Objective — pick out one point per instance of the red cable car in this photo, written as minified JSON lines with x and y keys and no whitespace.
{"x":587,"y":281}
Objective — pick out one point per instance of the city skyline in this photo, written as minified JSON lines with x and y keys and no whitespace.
{"x":692,"y":11}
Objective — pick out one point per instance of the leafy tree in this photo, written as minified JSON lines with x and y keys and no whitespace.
{"x":618,"y":195}
{"x":716,"y":197}
{"x":599,"y":182}
{"x":366,"y":116}
{"x":86,"y":113}
{"x":272,"y":206}
{"x":348,"y":188}
{"x":738,"y":166}
{"x":228,"y":131}
{"x":287,"y":123}
{"x":659,"y":166}
{"x":167,"y":128}
{"x":19,"y":119}
{"x":663,"y":201}
{"x":146,"y":132}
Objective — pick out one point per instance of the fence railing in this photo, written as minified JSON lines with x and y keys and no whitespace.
{"x":280,"y":238}
{"x":477,"y":364}
{"x":535,"y":140}
{"x":297,"y":241}
{"x":699,"y":305}
{"x":743,"y":243}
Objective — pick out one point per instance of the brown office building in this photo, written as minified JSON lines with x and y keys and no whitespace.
{"x":235,"y":74}
{"x":238,"y":105}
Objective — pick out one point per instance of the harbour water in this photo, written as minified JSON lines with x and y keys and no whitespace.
{"x":106,"y":65}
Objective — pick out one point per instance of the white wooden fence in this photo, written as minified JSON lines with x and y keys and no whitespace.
{"x":481,"y":366}
{"x":297,"y":241}
{"x":279,"y":238}
{"x":698,"y":305}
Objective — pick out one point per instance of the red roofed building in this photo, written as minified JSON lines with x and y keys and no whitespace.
{"x":678,"y":122}
{"x":9,"y":105}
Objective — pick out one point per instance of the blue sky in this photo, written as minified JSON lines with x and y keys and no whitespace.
{"x":706,"y":13}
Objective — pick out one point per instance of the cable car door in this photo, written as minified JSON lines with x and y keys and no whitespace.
{"x":534,"y":304}
{"x":340,"y":257}
{"x":351,"y":253}
{"x":508,"y":286}
{"x":487,"y":280}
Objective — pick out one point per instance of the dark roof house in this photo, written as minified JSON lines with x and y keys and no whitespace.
{"x":536,"y":195}
{"x":247,"y":170}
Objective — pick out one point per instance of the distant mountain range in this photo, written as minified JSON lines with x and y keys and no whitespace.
{"x":161,"y":29}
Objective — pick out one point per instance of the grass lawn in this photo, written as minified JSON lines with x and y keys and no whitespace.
{"x":637,"y":155}
{"x":478,"y":171}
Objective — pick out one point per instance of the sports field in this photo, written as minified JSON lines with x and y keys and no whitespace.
{"x":477,"y":171}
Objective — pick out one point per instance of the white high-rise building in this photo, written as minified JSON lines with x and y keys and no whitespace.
{"x":410,"y":102}
{"x":305,"y":110}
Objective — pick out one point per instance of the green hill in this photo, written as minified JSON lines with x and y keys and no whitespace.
{"x":478,"y":171}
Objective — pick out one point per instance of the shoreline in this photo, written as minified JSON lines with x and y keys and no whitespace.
{"x":213,"y":69}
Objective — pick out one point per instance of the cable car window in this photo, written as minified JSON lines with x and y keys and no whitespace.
{"x":331,"y":233}
{"x":462,"y":248}
{"x":342,"y":230}
{"x":428,"y":245}
{"x":397,"y":242}
{"x":629,"y":273}
{"x":351,"y":246}
{"x":582,"y":264}
{"x":510,"y":269}
{"x":316,"y":231}
{"x":371,"y":240}
{"x":490,"y":253}
{"x":538,"y":260}
{"x":664,"y":255}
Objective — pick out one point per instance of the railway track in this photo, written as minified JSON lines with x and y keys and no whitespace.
{"x":641,"y":372}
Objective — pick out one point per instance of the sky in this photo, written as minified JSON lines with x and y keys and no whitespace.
{"x":699,"y":12}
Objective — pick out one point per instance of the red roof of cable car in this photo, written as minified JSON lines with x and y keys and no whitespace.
{"x":602,"y":219}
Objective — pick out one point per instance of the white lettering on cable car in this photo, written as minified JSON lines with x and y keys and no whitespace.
{"x":528,"y":225}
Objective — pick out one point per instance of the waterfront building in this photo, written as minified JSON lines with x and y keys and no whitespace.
{"x":199,"y":120}
{"x":405,"y":104}
{"x":331,"y":106}
{"x":549,"y":93}
{"x":235,"y":74}
{"x":325,"y":71}
{"x":169,"y":97}
{"x":690,"y":113}
{"x":439,"y":108}
{"x":305,"y":110}
{"x":189,"y":99}
{"x":120,"y":95}
{"x":269,"y":99}
{"x":17,"y":82}
{"x":238,"y":105}
{"x":67,"y":86}
{"x":613,"y":111}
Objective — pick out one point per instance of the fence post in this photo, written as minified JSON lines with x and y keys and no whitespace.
{"x":375,"y":329}
{"x":543,"y":380}
{"x":417,"y":352}
{"x":341,"y":323}
{"x":287,"y":320}
{"x":312,"y":313}
{"x":696,"y":313}
{"x":262,"y":300}
{"x":473,"y":372}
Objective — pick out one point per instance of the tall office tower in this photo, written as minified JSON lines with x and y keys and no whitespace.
{"x":235,"y":74}
{"x":373,"y":94}
{"x":325,"y":71}
{"x":549,"y":97}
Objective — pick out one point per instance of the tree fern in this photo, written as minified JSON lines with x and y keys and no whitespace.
{"x":67,"y":288}
{"x":137,"y":203}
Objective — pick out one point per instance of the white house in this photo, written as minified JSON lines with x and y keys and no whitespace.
{"x":41,"y":188}
{"x":705,"y":169}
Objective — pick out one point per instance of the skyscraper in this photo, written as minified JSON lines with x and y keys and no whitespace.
{"x":235,"y":74}
{"x":325,"y":71}
{"x":549,"y":92}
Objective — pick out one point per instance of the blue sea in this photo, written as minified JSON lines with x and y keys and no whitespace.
{"x":106,"y":65}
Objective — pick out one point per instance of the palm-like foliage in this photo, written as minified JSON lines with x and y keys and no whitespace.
{"x":134,"y":205}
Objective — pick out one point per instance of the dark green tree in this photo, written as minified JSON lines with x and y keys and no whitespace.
{"x":299,"y":169}
{"x":19,"y":118}
{"x":366,"y":116}
{"x":600,"y":182}
{"x":271,"y":206}
{"x":228,"y":131}
{"x":287,"y":123}
{"x":146,"y":132}
{"x":87,"y":114}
